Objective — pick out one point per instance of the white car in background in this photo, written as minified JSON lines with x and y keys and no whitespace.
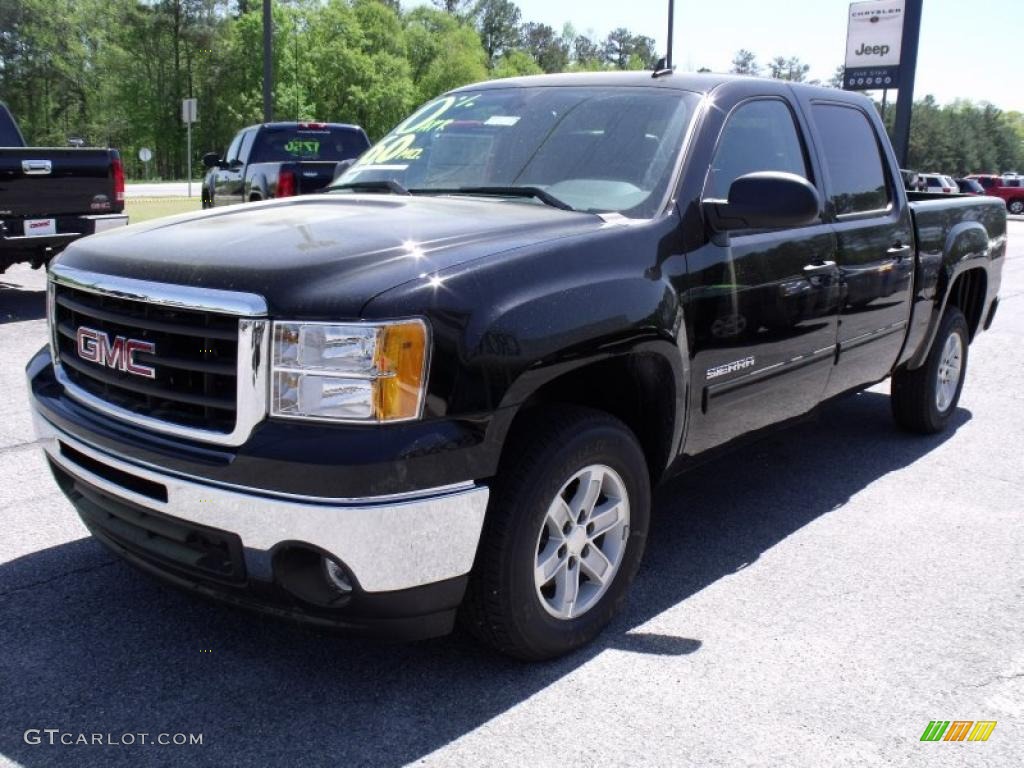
{"x":937,"y":182}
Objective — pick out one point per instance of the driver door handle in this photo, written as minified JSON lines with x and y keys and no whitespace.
{"x":820,"y":268}
{"x":898,"y":250}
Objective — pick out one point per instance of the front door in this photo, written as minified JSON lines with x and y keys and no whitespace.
{"x":762,"y":305}
{"x":228,"y":178}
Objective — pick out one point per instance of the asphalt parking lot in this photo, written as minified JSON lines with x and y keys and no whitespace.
{"x":815,"y":599}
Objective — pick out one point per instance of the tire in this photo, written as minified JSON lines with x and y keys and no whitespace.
{"x":207,"y":199}
{"x":504,"y":606}
{"x":923,"y":400}
{"x":1016,"y":207}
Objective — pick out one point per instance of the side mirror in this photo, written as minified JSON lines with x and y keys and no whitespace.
{"x":343,"y":166}
{"x":765,"y":200}
{"x":211,"y":159}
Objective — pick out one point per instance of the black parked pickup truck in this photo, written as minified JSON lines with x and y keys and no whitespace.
{"x":50,"y":196}
{"x":280,"y":160}
{"x":446,"y":387}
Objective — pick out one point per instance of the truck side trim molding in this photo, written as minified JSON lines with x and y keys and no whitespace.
{"x":382,"y":541}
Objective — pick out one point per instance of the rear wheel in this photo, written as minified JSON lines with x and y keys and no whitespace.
{"x":1016,"y":207}
{"x":923,"y":400}
{"x":564,"y":535}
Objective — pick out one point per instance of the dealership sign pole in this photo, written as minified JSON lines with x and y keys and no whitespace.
{"x":881,"y":53}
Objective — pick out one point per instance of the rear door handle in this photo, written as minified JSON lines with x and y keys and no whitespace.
{"x":36,"y":167}
{"x":821,"y":268}
{"x":898,"y":250}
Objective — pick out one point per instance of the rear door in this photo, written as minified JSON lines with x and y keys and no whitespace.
{"x":762,"y":304}
{"x":875,"y":238}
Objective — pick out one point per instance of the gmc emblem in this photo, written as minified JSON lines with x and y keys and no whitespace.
{"x":96,"y":347}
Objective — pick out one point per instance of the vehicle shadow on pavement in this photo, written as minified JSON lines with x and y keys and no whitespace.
{"x":90,"y":645}
{"x":17,"y":304}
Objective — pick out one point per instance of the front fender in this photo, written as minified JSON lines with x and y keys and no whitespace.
{"x":507,"y":325}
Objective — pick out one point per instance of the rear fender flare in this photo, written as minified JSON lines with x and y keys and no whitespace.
{"x":967,"y":247}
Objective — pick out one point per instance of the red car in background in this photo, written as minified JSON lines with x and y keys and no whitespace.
{"x":1010,"y":190}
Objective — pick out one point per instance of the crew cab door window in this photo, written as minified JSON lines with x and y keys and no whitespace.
{"x":853,"y":160}
{"x":232,"y":153}
{"x":759,"y":136}
{"x":246,"y":146}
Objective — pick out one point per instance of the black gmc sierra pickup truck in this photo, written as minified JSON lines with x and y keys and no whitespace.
{"x":446,"y":387}
{"x":50,"y":196}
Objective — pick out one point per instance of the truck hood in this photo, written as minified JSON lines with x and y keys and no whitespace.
{"x":322,"y":255}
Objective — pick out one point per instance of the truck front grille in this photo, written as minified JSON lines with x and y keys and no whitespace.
{"x":194,"y":358}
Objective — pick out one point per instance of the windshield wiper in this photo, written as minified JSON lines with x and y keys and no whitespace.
{"x":378,"y":185}
{"x":536,"y":192}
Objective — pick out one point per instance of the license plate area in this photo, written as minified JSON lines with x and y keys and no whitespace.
{"x":40,"y":227}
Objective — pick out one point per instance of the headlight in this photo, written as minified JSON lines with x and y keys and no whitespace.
{"x":361,"y":372}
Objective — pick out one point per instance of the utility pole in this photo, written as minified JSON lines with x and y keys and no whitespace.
{"x":668,"y":51}
{"x":908,"y":68}
{"x":268,"y":71}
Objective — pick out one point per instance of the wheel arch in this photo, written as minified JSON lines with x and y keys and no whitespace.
{"x":645,"y":388}
{"x":962,"y":282}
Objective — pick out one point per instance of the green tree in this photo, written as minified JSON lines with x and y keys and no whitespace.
{"x":781,"y":68}
{"x":515,"y":64}
{"x":498,"y":24}
{"x":548,"y":49}
{"x":443,"y":52}
{"x":586,"y":54}
{"x":745,"y":63}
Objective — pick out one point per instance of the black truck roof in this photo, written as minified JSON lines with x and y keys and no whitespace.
{"x":682,"y":81}
{"x":312,"y":124}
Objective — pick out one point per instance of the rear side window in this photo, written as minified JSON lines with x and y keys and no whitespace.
{"x":759,"y":136}
{"x":933,"y":182}
{"x":853,"y":159}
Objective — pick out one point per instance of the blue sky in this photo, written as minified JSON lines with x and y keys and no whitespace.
{"x":969,"y":48}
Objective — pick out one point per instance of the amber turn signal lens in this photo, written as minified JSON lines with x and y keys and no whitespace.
{"x":401,"y":362}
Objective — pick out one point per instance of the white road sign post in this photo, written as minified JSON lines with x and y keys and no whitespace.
{"x":189,"y":115}
{"x":145,"y":155}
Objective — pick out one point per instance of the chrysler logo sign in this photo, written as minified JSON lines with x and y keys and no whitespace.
{"x":119,"y":354}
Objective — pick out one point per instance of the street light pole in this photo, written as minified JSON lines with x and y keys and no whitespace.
{"x":268,"y":72}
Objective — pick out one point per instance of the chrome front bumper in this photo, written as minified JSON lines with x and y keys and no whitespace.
{"x":388,"y":543}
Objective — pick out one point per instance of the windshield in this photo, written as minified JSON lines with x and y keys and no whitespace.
{"x":282,"y":144}
{"x":596,"y":149}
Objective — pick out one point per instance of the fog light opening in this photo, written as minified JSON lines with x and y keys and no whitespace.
{"x":336,"y":576}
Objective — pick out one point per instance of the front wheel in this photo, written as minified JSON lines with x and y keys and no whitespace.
{"x":923,"y":400}
{"x":564,"y":535}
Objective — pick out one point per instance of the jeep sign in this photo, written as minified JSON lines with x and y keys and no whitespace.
{"x":873,"y":44}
